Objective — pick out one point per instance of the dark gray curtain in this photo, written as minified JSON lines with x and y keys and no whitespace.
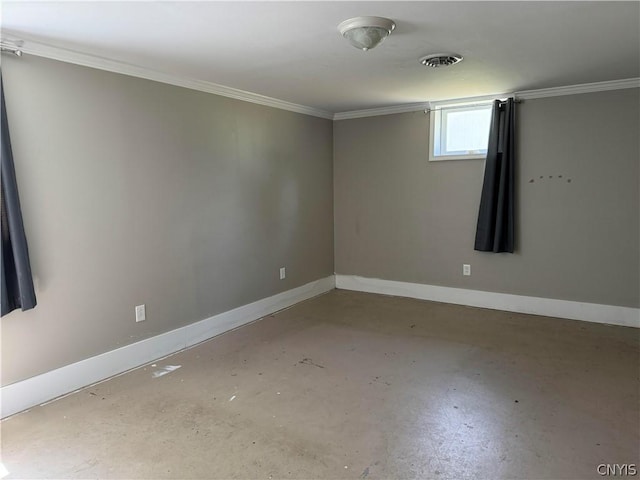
{"x":17,"y":283}
{"x":495,"y":230}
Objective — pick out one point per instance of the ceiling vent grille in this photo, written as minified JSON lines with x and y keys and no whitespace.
{"x":437,"y":60}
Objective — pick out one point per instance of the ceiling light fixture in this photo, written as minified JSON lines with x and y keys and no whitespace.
{"x":366,"y":33}
{"x":437,"y":60}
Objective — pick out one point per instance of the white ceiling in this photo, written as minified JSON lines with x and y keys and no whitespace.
{"x":292,"y":51}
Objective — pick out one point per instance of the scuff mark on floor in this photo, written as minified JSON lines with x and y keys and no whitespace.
{"x":164,"y":370}
{"x":308,"y":361}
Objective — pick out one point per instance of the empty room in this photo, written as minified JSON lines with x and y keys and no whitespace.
{"x":320,"y":240}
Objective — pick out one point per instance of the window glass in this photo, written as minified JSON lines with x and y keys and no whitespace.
{"x":459,"y":132}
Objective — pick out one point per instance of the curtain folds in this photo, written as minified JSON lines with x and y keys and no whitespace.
{"x":17,"y":282}
{"x":495,"y":231}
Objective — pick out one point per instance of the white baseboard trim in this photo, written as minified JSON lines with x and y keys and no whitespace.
{"x":548,"y":307}
{"x":25,"y":394}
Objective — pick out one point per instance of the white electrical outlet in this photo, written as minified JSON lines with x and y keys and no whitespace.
{"x":283,"y":273}
{"x":141,"y":313}
{"x":466,"y":269}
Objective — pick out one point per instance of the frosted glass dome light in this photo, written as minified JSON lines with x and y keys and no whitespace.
{"x":366,"y":33}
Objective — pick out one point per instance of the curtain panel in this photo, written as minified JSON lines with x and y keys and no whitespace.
{"x":495,"y":230}
{"x":17,"y":282}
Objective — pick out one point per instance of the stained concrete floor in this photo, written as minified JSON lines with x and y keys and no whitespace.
{"x":354,"y":385}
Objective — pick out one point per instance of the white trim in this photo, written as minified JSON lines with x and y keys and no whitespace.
{"x":39,"y":49}
{"x":522,"y":95}
{"x":36,"y":390}
{"x":578,"y":89}
{"x":548,"y":307}
{"x":445,"y":158}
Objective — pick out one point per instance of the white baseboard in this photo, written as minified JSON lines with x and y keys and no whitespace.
{"x":22,"y":395}
{"x":589,"y":312}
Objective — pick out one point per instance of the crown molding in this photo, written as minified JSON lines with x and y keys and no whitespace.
{"x":40,"y":49}
{"x":522,"y":95}
{"x":580,"y":88}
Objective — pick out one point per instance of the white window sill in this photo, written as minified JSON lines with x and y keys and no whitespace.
{"x":440,"y":158}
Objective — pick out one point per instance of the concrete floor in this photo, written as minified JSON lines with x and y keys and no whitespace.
{"x":354,"y":385}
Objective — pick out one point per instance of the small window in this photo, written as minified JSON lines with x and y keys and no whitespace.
{"x":459,"y":132}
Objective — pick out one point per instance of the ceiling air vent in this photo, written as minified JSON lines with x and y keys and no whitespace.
{"x":440,"y":60}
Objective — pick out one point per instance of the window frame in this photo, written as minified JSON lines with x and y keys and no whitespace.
{"x":436,"y":114}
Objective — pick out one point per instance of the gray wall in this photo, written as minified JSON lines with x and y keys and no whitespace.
{"x":138,"y":192}
{"x":400,"y":217}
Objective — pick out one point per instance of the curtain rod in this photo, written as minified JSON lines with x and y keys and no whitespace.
{"x":476,"y":104}
{"x":11,"y":49}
